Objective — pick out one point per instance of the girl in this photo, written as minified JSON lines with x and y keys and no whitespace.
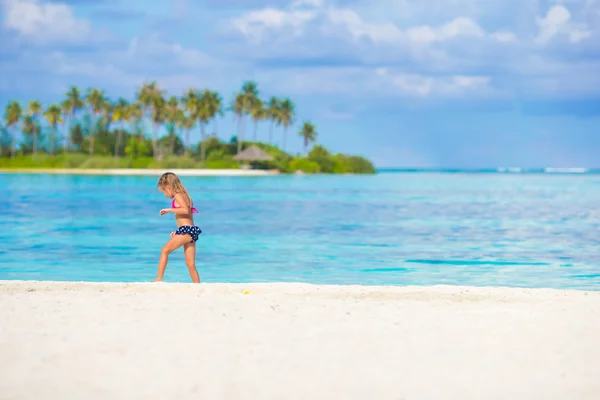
{"x":187,"y":233}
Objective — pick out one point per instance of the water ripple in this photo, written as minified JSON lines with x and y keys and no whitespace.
{"x":521,"y":230}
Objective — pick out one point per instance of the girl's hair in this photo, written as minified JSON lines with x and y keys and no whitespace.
{"x":174,"y":183}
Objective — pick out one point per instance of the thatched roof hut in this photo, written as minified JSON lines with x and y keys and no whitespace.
{"x":253,"y":153}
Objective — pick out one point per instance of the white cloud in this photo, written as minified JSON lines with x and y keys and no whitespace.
{"x":334,"y":115}
{"x":152,"y":46}
{"x":257,"y":24}
{"x":461,"y":26}
{"x":557,"y":21}
{"x":504,"y":37}
{"x":576,"y":35}
{"x":307,"y":3}
{"x":358,"y":28}
{"x":44,"y":22}
{"x":417,"y":85}
{"x":556,"y":18}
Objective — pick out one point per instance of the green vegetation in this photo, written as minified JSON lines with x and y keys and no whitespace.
{"x":92,"y":132}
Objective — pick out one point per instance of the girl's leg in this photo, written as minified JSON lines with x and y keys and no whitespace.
{"x":173,"y":244}
{"x":190,"y":260}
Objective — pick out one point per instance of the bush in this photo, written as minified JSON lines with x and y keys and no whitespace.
{"x":304,"y":165}
{"x":323,"y":159}
{"x":225,"y":163}
{"x":142,"y":162}
{"x":176,"y":162}
{"x":107,"y":162}
{"x":73,"y":160}
{"x":219,"y":155}
{"x":354,"y":164}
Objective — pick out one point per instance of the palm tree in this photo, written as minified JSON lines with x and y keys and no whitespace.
{"x":191,"y":105}
{"x":106,"y":113}
{"x":242,"y":106}
{"x":286,"y":116}
{"x":158,"y":118}
{"x":173,"y":116}
{"x":258,"y":113}
{"x":134,"y":116}
{"x":95,"y":100}
{"x":186,"y":123}
{"x":150,"y":97}
{"x":273,"y":111}
{"x":238,"y":110}
{"x":53,"y":115}
{"x":120,"y":115}
{"x":65,"y":109}
{"x":214,"y":105}
{"x":209,"y":106}
{"x":250,"y":89}
{"x":34,"y":111}
{"x":309,"y":133}
{"x":71,"y":105}
{"x":31,"y":127}
{"x":12,"y":117}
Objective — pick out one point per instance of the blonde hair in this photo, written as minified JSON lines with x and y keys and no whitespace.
{"x":174,"y":183}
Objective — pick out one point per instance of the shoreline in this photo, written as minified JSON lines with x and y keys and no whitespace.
{"x":139,"y":171}
{"x":274,"y":340}
{"x":291,"y":287}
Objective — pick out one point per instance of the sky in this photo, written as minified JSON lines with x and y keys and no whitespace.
{"x":406,"y":83}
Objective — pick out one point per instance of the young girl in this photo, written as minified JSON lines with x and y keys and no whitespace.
{"x":187,"y":233}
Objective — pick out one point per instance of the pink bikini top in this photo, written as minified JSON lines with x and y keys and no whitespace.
{"x":194,"y":211}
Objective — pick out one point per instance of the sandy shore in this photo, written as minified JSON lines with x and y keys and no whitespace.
{"x":140,"y":171}
{"x":292,"y":341}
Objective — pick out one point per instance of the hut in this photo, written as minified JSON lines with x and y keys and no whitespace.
{"x":253,"y":154}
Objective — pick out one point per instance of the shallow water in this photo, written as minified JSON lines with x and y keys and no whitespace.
{"x":519,"y":230}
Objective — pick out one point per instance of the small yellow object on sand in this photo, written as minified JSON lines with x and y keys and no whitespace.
{"x":246,"y":292}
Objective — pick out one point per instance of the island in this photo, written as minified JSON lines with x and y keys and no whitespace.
{"x":91,"y":132}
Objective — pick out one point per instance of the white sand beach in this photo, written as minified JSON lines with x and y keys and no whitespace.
{"x":140,"y":171}
{"x":296,"y":341}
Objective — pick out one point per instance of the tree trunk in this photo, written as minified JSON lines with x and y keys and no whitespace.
{"x":241,"y":136}
{"x":255,"y":129}
{"x":154,"y":142}
{"x":91,"y":147}
{"x":13,"y":143}
{"x":202,"y":145}
{"x":132,"y":128}
{"x":92,"y":137}
{"x":172,"y":144}
{"x":66,"y":144}
{"x":35,"y":142}
{"x":216,"y":127}
{"x":119,"y":133}
{"x":271,"y":132}
{"x":284,"y":138}
{"x":187,"y":142}
{"x":52,"y":140}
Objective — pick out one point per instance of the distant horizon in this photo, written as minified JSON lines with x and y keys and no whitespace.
{"x":500,"y":170}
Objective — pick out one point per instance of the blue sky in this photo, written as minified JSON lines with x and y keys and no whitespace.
{"x":408,"y":83}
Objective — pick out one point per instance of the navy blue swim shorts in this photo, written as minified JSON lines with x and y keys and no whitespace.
{"x":193,"y":231}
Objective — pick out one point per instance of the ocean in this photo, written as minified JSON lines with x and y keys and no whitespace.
{"x":506,"y":227}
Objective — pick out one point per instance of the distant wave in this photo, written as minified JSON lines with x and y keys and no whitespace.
{"x":499,"y":170}
{"x":568,"y":170}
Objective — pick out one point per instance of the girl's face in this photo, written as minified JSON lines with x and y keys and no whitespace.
{"x":167,"y":191}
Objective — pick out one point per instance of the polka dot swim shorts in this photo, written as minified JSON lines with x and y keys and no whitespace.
{"x":193,"y":231}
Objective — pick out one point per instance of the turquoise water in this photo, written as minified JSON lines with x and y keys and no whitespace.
{"x":520,"y":230}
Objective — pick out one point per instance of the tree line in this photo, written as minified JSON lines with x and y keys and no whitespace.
{"x":179,"y":115}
